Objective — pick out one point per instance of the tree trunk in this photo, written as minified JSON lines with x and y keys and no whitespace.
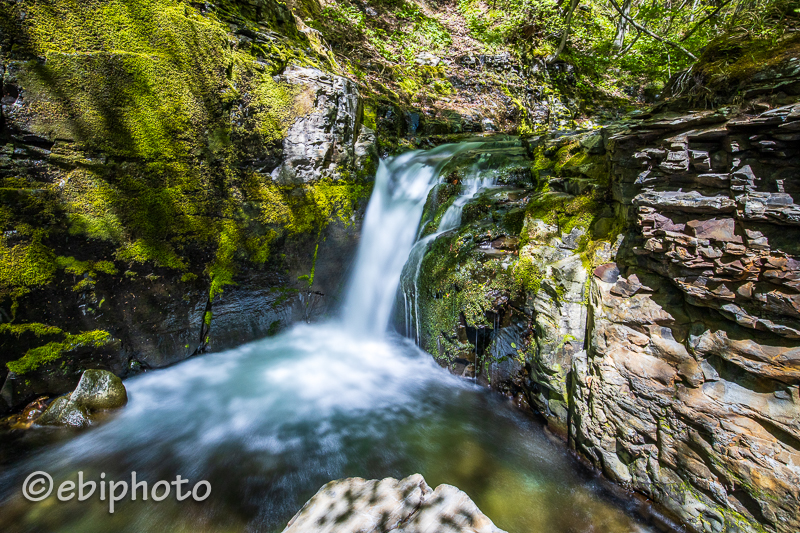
{"x":622,"y":26}
{"x":572,"y":5}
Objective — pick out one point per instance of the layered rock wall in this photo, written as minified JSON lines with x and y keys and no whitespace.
{"x":651,"y":314}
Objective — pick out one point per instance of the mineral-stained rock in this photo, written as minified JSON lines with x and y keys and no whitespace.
{"x":409,"y":505}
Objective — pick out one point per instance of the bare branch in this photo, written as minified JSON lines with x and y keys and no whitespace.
{"x":630,"y":45}
{"x":572,"y":5}
{"x":650,"y":33}
{"x":690,"y":32}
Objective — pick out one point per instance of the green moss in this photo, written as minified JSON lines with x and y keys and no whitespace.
{"x":155,"y":114}
{"x":564,"y":211}
{"x":456,"y":278}
{"x":370,"y":116}
{"x":36,"y":357}
{"x":79,"y":268}
{"x":35,"y":328}
{"x":23,"y":266}
{"x":274,"y":106}
{"x":222,"y":269}
{"x":528,"y":274}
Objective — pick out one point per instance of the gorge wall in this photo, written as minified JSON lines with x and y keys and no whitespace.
{"x":637,"y":285}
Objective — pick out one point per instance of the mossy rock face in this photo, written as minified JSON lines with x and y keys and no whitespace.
{"x":503,"y":298}
{"x":137,"y":145}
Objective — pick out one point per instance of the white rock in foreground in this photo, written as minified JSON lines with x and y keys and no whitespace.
{"x":356,"y":505}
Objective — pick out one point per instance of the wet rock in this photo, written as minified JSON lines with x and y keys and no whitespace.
{"x":98,"y":390}
{"x":26,"y":418}
{"x":355,"y":505}
{"x":63,"y":412}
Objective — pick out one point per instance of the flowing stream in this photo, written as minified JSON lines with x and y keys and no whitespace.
{"x":270,"y":422}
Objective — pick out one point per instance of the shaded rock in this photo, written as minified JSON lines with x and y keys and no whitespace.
{"x":448,"y":509}
{"x":356,"y":505}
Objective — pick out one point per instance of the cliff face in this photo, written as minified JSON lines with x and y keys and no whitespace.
{"x":155,"y":203}
{"x":640,"y":290}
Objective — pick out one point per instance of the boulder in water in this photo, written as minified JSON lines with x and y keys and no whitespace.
{"x":356,"y":505}
{"x":97,"y":390}
{"x":63,"y":412}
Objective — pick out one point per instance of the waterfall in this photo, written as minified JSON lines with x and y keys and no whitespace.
{"x":402,"y":185}
{"x":451,"y":219}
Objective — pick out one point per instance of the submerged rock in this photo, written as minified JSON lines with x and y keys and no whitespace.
{"x":97,"y":390}
{"x":408,"y":505}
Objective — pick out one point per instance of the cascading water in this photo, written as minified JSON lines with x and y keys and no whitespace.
{"x":270,"y":422}
{"x":451,"y":219}
{"x":402,"y":185}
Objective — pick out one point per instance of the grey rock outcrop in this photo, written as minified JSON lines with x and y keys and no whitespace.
{"x":355,"y":505}
{"x":323,"y":142}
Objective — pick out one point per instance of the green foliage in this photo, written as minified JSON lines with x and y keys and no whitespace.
{"x":642,"y":65}
{"x":400,"y":31}
{"x":25,"y":265}
{"x":732,"y":60}
{"x":528,"y":274}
